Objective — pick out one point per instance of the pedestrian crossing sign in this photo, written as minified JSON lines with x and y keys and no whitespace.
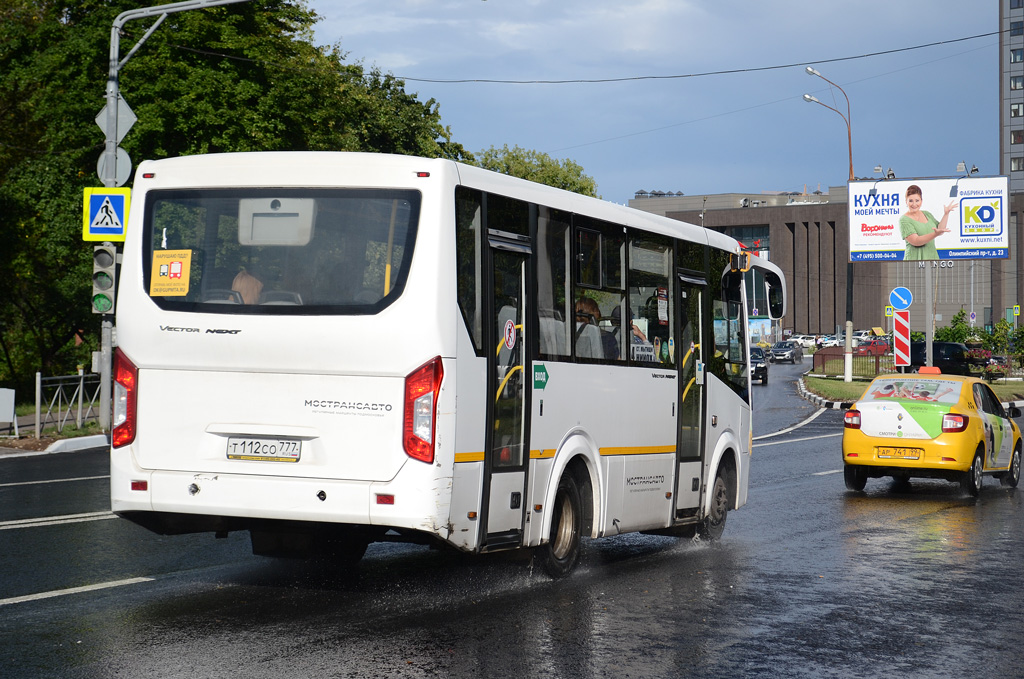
{"x":105,"y":213}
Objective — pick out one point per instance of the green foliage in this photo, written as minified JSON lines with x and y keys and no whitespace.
{"x":958,"y":329}
{"x":537,"y":167}
{"x":243,"y":77}
{"x":999,"y":339}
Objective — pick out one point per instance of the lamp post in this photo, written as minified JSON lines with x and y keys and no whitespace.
{"x":848,"y":355}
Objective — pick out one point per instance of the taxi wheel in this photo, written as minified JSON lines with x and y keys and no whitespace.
{"x":855,"y":477}
{"x":1012,"y":475}
{"x":971,"y":481}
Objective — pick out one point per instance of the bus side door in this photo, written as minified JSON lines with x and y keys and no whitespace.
{"x":506,"y":455}
{"x":689,"y":450}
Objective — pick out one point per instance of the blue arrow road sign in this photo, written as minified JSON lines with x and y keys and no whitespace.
{"x":900,"y":298}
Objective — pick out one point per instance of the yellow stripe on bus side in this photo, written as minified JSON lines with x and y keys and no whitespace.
{"x":638,"y":450}
{"x":550,"y":452}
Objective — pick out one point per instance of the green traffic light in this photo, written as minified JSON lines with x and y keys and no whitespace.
{"x":102,"y":303}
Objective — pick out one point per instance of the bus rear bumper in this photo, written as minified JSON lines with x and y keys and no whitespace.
{"x":171,"y":502}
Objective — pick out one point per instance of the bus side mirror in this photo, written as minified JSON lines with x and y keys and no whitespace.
{"x":739,"y":261}
{"x":775,"y":294}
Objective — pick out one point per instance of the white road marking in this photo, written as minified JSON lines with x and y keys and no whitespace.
{"x":73,"y":590}
{"x":806,"y":438}
{"x":795,"y":426}
{"x":56,"y":520}
{"x":32,"y":483}
{"x":828,"y":473}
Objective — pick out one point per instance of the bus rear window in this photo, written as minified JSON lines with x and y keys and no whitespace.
{"x":278,"y":251}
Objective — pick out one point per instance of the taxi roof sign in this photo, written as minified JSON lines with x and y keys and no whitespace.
{"x":105,"y":213}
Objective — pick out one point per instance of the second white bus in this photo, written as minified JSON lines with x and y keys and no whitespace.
{"x":332,"y":349}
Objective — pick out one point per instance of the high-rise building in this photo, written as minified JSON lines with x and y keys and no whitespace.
{"x":1011,"y":92}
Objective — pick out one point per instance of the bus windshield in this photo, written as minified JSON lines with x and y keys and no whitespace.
{"x":278,"y":251}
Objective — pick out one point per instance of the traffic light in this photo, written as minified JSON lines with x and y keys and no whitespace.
{"x":104,"y":261}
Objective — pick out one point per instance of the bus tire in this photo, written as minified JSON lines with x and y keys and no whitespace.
{"x":854,"y":477}
{"x":713,"y":525}
{"x":561,"y":553}
{"x":971,"y":481}
{"x":1011,"y":476}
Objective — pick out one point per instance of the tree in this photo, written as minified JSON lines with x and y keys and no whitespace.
{"x":1000,"y":337}
{"x":242,"y":77}
{"x":958,"y":329}
{"x":538,"y":167}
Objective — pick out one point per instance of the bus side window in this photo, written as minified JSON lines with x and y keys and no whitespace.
{"x":600,"y":255}
{"x":651,"y":330}
{"x":554,"y":306}
{"x":469,"y":262}
{"x":729,"y":361}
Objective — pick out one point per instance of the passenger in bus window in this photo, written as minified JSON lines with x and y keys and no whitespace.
{"x":588,"y":314}
{"x":248,"y":286}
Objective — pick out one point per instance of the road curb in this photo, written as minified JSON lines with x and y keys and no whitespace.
{"x":818,"y":400}
{"x":80,"y":443}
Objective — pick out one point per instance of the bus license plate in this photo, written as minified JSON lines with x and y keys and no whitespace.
{"x":902,"y":453}
{"x":264,"y":449}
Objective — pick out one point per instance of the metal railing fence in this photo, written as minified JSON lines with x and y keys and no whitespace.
{"x":64,"y":396}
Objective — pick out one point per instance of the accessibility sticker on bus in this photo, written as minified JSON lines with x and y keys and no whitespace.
{"x":170,"y":273}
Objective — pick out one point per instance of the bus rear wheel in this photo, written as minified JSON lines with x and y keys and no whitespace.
{"x":559,"y":556}
{"x":714,"y":523}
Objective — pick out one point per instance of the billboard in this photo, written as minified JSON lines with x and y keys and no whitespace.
{"x":925,"y":219}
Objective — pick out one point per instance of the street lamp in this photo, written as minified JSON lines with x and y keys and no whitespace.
{"x":848,"y":376}
{"x":846,"y":118}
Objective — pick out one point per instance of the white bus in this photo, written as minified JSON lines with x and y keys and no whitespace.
{"x":332,"y":349}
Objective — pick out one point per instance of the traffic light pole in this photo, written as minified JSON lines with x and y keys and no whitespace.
{"x":108,"y":162}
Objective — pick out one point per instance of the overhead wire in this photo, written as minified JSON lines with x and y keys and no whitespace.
{"x":756,"y":69}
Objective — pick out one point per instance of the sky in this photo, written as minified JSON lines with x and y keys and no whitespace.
{"x":918,"y":111}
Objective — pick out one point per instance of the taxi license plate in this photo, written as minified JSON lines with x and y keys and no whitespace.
{"x":901,"y":453}
{"x":264,"y":449}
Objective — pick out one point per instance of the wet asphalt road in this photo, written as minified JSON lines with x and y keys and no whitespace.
{"x":809,"y":581}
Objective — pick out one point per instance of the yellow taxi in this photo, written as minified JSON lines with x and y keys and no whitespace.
{"x":933,"y":426}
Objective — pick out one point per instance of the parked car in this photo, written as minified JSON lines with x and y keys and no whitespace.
{"x":872,"y":347}
{"x":787,"y":351}
{"x":758,"y":365}
{"x":931,"y":425}
{"x":805,"y":341}
{"x":829,"y":341}
{"x":949,"y":357}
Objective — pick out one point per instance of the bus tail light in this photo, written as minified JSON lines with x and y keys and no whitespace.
{"x":852,"y":419}
{"x":421,"y":388}
{"x":953,"y":422}
{"x":126,"y":388}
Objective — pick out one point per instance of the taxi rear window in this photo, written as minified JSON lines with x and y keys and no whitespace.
{"x":931,"y":390}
